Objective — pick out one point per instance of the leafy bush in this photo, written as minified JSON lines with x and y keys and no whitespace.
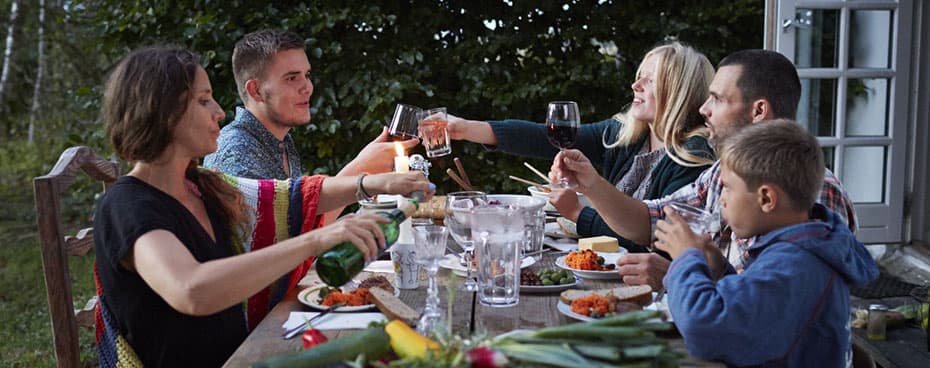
{"x":481,"y":59}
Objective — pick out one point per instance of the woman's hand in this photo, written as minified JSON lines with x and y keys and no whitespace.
{"x":674,"y":236}
{"x":470,"y":130}
{"x":575,"y":167}
{"x":361,"y":230}
{"x":566,"y":201}
{"x":399,"y":183}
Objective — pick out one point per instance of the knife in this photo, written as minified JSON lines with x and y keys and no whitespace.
{"x":299,"y":329}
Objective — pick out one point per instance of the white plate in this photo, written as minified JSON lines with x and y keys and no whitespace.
{"x":451,"y":261}
{"x":661,"y":307}
{"x":539,"y":289}
{"x":567,"y":310}
{"x":609,"y":258}
{"x":311,"y":295}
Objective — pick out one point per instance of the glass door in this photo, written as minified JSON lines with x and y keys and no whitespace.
{"x":852,"y":57}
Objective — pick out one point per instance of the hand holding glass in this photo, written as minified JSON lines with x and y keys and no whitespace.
{"x":404,"y":123}
{"x":562,"y":122}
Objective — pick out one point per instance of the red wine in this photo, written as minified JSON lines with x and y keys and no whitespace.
{"x":562,"y":136}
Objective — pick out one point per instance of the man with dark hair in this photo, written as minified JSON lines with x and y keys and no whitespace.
{"x":272,"y":74}
{"x":772,"y":91}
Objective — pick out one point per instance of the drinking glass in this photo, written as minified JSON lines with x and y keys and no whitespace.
{"x":404,"y":122}
{"x":459,"y":206}
{"x":562,"y":122}
{"x":430,"y":246}
{"x":499,"y":236}
{"x":433,"y":133}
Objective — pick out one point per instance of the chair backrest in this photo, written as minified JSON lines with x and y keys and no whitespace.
{"x":56,"y":247}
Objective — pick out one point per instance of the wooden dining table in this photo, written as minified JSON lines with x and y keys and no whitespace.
{"x":468,"y":316}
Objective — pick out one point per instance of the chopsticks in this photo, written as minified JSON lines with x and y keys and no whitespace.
{"x":462,"y":178}
{"x":537,"y":172}
{"x":524,"y":181}
{"x":458,"y":165}
{"x":458,"y":180}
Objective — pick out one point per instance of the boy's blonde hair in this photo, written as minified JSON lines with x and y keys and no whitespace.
{"x":779,"y":152}
{"x":682,"y":79}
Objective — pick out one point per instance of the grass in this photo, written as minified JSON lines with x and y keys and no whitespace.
{"x":26,"y":332}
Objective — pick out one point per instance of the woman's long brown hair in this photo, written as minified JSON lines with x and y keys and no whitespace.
{"x":145,"y":97}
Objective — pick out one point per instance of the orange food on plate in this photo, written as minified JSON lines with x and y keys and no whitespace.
{"x":584,"y":260}
{"x":591,"y":303}
{"x":353,"y":299}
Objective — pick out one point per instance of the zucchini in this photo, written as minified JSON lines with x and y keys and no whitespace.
{"x":372,"y":342}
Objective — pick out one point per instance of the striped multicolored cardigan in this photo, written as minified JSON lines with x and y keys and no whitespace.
{"x":281,"y":209}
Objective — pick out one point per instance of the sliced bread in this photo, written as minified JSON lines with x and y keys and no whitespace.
{"x":639,"y":294}
{"x":393,"y":307}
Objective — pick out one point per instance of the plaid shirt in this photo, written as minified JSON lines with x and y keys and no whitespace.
{"x":247,"y":149}
{"x":705,"y":193}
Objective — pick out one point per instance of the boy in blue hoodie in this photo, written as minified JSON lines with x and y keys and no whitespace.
{"x":790,"y":306}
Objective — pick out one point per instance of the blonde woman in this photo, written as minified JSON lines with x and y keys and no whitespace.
{"x":655,"y":147}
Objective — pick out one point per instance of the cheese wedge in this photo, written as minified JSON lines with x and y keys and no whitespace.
{"x":599,"y":244}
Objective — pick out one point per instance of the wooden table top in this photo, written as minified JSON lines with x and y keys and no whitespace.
{"x":533,"y":311}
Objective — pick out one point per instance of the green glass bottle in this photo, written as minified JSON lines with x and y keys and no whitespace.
{"x":341,"y":263}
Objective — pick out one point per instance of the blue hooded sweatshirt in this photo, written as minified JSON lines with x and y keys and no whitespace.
{"x":790,"y":306}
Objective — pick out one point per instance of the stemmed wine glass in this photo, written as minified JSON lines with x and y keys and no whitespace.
{"x":430,"y":246}
{"x":562,"y":122}
{"x":459,"y":221}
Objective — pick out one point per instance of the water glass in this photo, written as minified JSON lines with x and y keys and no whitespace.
{"x":430,"y":245}
{"x":534,"y":218}
{"x":433,"y":132}
{"x":698,"y":220}
{"x":459,"y":207}
{"x":404,"y":122}
{"x":498,"y":233}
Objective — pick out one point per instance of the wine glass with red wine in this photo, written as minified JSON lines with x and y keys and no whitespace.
{"x":562,"y":122}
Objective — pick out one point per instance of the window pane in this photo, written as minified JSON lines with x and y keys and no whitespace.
{"x":828,"y":157}
{"x":816,"y":42}
{"x":870,"y":39}
{"x":864,"y":173}
{"x":866,"y":107}
{"x":816,"y":108}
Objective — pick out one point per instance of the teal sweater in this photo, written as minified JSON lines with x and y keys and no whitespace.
{"x":527,"y":138}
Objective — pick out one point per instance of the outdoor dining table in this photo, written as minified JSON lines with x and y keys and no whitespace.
{"x":533,"y":311}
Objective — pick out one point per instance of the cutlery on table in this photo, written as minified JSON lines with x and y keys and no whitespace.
{"x":299,"y":329}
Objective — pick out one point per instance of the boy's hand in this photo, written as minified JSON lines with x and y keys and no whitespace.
{"x":674,"y":236}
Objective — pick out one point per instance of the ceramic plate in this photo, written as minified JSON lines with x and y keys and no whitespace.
{"x":451,"y":261}
{"x":609,"y":258}
{"x":567,"y":310}
{"x":311,"y":295}
{"x":540,"y":289}
{"x":557,"y":239}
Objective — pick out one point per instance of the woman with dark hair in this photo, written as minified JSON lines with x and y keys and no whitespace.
{"x":189,"y":259}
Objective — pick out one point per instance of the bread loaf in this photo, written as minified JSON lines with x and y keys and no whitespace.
{"x":393,"y":307}
{"x":639,"y":294}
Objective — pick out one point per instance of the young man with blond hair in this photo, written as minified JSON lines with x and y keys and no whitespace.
{"x":790,"y":306}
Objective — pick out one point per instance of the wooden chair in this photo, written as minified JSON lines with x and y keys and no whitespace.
{"x":56,"y":247}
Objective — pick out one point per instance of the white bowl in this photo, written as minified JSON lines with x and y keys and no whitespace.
{"x":538,"y":193}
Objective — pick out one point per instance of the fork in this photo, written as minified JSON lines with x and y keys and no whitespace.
{"x":289,"y":334}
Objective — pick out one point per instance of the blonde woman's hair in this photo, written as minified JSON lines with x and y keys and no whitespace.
{"x":683,"y":77}
{"x":779,"y":152}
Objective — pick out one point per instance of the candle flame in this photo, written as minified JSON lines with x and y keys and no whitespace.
{"x":399,"y":148}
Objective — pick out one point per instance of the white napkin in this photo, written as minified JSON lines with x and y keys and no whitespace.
{"x":334,"y":321}
{"x":380,"y":266}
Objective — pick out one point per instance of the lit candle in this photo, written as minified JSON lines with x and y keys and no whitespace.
{"x":401,"y":161}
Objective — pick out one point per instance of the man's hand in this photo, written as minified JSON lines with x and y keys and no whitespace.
{"x":643,"y":269}
{"x":575,"y":167}
{"x":566,"y":201}
{"x":674,"y":236}
{"x":378,"y":155}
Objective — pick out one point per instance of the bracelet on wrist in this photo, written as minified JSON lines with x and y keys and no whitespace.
{"x":360,"y":193}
